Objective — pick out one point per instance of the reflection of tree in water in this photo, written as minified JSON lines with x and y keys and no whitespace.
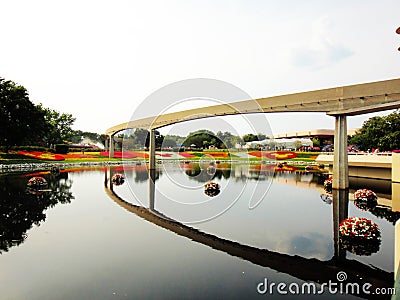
{"x":201,"y":175}
{"x":386,"y":213}
{"x":19,"y":209}
{"x":379,"y":211}
{"x":143,"y":175}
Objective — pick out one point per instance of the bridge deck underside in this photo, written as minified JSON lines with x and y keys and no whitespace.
{"x":346,"y":100}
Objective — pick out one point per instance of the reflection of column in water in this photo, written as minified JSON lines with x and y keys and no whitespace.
{"x":340,"y":211}
{"x":106,"y":176}
{"x":152,"y":187}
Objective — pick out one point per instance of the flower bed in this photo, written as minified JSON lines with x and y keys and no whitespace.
{"x":186,"y":155}
{"x":279,"y":155}
{"x":78,"y":155}
{"x":42,"y":155}
{"x":285,"y":168}
{"x":219,"y":154}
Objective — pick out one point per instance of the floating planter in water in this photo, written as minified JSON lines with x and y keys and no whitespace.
{"x":211,"y":189}
{"x":37,"y":182}
{"x":36,"y":185}
{"x":359,"y":236}
{"x":365,"y":195}
{"x":365,"y":199}
{"x":118,"y":179}
{"x":328,"y":185}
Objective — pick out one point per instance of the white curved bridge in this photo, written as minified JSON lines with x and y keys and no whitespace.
{"x":339,"y":102}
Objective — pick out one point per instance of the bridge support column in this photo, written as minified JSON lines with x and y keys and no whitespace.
{"x":340,"y":178}
{"x":152,"y":150}
{"x":112,"y":146}
{"x":106,"y":143}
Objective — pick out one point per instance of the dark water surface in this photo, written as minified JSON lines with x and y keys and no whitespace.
{"x":84,"y":238}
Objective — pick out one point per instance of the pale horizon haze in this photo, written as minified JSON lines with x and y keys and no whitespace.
{"x":98,"y":60}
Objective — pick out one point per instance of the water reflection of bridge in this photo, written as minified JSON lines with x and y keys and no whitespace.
{"x":306,"y":269}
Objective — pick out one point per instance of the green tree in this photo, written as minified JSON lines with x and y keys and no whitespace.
{"x":250,"y":137}
{"x":21,"y":123}
{"x":58,"y":125}
{"x":200,"y":136}
{"x":142,"y":138}
{"x":169,"y":142}
{"x":379,"y":132}
{"x":228,"y":139}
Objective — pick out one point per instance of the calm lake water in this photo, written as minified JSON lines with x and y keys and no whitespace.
{"x":85,"y":238}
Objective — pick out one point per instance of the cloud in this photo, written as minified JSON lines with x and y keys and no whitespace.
{"x":321,"y":49}
{"x":309,"y":245}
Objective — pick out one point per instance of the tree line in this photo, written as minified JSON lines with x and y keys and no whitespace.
{"x":24,"y":123}
{"x":199,"y":139}
{"x":381,"y":133}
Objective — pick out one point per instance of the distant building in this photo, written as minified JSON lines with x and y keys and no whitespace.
{"x":324,"y":135}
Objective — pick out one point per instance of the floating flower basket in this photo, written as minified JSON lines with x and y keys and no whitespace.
{"x":359,"y":236}
{"x":359,"y":228}
{"x":37,"y":182}
{"x":365,"y":195}
{"x":118,"y":179}
{"x":328,"y":185}
{"x":36,"y":185}
{"x":211,"y":189}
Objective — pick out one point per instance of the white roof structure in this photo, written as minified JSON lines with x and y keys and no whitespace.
{"x":285,"y":143}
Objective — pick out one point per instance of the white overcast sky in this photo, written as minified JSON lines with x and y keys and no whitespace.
{"x":98,"y":60}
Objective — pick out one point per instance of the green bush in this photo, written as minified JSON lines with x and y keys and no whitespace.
{"x":29,"y":148}
{"x":62,"y":148}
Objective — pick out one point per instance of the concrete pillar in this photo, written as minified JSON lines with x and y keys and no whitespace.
{"x":340,"y":178}
{"x":396,"y":183}
{"x":397,"y":253}
{"x":107,"y":142}
{"x":152,"y":150}
{"x":112,"y":146}
{"x":396,"y":167}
